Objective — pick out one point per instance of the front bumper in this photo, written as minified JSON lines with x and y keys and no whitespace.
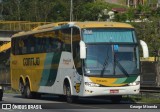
{"x":104,"y":91}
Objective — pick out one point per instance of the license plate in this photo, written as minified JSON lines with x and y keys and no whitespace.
{"x":114,"y":91}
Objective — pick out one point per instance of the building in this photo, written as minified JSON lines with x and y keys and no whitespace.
{"x":158,"y":5}
{"x":127,"y":2}
{"x":135,"y":3}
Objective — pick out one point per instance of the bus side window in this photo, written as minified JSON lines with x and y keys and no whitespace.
{"x":28,"y":45}
{"x":58,"y":46}
{"x":66,"y":36}
{"x":47,"y":45}
{"x":13,"y":46}
{"x":51,"y":42}
{"x":32,"y":49}
{"x":76,"y":50}
{"x":38,"y":45}
{"x":76,"y":57}
{"x":24,"y":48}
{"x":16,"y":47}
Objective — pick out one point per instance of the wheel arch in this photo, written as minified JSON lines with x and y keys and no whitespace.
{"x":68,"y":80}
{"x":21,"y":79}
{"x":27,"y":79}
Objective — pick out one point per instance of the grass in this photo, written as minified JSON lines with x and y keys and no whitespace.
{"x":144,"y":98}
{"x":150,"y":100}
{"x":11,"y":91}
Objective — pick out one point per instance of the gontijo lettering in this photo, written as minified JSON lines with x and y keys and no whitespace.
{"x":31,"y":61}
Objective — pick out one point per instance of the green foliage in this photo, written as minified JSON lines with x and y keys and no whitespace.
{"x":130,"y":14}
{"x":120,"y":17}
{"x":34,"y":10}
{"x":150,"y":32}
{"x":90,"y":11}
{"x":156,"y":13}
{"x":143,"y":98}
{"x":53,"y":10}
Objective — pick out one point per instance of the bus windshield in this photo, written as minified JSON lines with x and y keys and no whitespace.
{"x":109,"y":35}
{"x":104,"y":60}
{"x":111,"y":52}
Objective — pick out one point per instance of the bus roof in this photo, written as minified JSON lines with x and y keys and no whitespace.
{"x":102,"y":25}
{"x":81,"y":25}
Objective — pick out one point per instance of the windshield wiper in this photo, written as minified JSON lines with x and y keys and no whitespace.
{"x":121,"y":67}
{"x":105,"y":64}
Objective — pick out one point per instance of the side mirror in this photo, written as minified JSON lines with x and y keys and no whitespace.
{"x":145,"y":49}
{"x":82,"y":50}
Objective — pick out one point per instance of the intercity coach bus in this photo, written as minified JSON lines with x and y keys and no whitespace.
{"x":77,"y":59}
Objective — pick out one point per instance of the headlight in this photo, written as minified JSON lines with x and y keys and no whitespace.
{"x":134,"y":83}
{"x":91,"y":84}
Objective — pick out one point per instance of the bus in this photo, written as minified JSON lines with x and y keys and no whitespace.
{"x":77,"y":59}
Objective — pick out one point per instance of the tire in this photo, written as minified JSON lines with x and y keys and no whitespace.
{"x":0,"y":98}
{"x":1,"y":94}
{"x":28,"y":92}
{"x":69,"y":97}
{"x":22,"y":89}
{"x":116,"y":99}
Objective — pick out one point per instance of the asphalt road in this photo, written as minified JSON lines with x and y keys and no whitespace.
{"x":54,"y":104}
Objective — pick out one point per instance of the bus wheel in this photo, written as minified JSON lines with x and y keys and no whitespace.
{"x":29,"y":94}
{"x":1,"y":94}
{"x":116,"y":99}
{"x":69,"y":97}
{"x":22,"y":89}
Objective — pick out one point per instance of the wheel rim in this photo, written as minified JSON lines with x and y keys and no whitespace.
{"x":68,"y":91}
{"x":28,"y":91}
{"x":21,"y":88}
{"x":68,"y":94}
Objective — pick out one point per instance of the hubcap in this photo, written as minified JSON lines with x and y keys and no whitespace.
{"x":28,"y":91}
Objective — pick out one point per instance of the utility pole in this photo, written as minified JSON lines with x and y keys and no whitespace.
{"x":158,"y":3}
{"x":135,"y":3}
{"x":149,"y":2}
{"x":71,"y":11}
{"x":128,"y":3}
{"x":1,"y":10}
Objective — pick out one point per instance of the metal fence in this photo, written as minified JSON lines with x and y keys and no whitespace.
{"x":19,"y":25}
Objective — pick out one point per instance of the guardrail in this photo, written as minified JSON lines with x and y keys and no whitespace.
{"x":19,"y":25}
{"x":5,"y":84}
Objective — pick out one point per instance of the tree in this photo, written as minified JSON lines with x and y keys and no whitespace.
{"x":120,"y":17}
{"x":18,"y":8}
{"x":1,"y":10}
{"x":150,"y":32}
{"x":130,"y":14}
{"x":90,"y":11}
